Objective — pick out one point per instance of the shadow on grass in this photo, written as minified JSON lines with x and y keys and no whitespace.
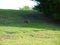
{"x":41,"y":25}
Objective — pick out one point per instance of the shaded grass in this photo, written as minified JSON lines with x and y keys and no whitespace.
{"x":15,"y":18}
{"x":40,"y":25}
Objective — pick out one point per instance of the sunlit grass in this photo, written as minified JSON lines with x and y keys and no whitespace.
{"x":27,"y":36}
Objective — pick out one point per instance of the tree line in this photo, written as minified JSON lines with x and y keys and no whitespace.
{"x":50,"y":8}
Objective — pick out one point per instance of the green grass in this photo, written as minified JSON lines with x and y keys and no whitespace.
{"x":13,"y":32}
{"x":16,"y":12}
{"x":28,"y":36}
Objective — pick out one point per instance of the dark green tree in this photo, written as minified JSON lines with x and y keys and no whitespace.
{"x":51,"y":8}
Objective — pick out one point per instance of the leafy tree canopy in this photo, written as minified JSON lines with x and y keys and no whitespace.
{"x":51,"y":8}
{"x":26,"y":8}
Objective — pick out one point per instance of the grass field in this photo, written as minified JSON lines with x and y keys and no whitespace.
{"x":13,"y":31}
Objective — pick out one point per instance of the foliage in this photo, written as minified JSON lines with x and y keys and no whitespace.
{"x":51,"y":8}
{"x":25,"y":8}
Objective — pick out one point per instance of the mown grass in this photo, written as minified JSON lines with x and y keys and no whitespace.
{"x":15,"y":32}
{"x":28,"y":36}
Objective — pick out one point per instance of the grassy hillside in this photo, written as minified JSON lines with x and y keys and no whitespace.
{"x":14,"y":31}
{"x":15,"y":12}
